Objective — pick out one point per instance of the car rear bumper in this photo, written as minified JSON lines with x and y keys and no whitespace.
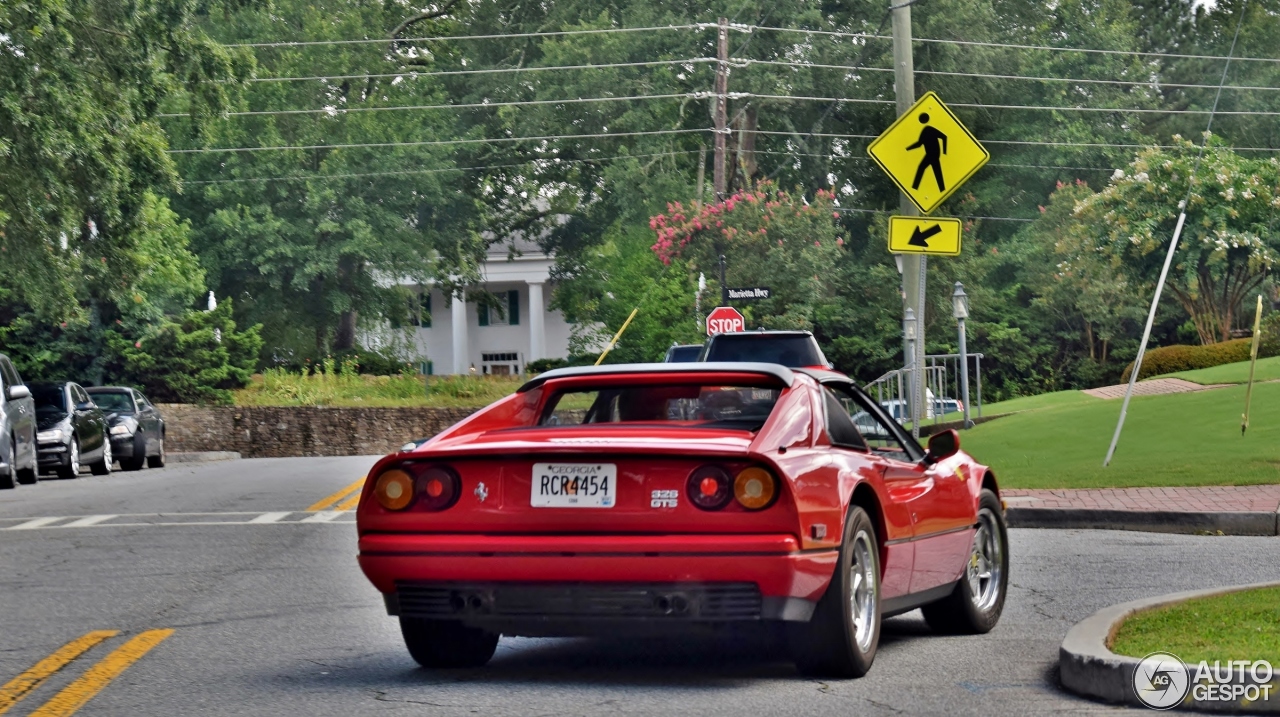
{"x":524,"y":580}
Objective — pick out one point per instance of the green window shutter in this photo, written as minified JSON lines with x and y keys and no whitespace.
{"x":513,"y":307}
{"x":425,"y":310}
{"x":482,"y":312}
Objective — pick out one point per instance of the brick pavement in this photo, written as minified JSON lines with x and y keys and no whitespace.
{"x":1153,"y":387}
{"x":1251,"y":498}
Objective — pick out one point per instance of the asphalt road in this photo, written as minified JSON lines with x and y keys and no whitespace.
{"x":270,"y":616}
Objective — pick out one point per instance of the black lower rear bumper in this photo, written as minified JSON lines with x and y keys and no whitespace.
{"x":591,"y":608}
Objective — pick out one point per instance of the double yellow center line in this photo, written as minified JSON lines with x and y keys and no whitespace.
{"x":84,"y":688}
{"x":346,"y":499}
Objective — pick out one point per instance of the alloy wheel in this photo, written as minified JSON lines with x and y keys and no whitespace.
{"x":985,"y":562}
{"x":862,"y":591}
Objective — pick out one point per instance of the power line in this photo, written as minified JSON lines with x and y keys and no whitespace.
{"x":1037,"y":108}
{"x":440,"y":73}
{"x":552,"y":160}
{"x":863,"y":160}
{"x":1155,"y":84}
{"x":1100,"y":145}
{"x":1013,"y":46}
{"x":514,"y":35}
{"x":433,"y":143}
{"x":334,"y":111}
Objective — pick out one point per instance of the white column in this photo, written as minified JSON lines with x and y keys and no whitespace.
{"x":458,"y":316}
{"x":537,"y":332}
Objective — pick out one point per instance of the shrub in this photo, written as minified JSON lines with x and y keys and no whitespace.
{"x":195,"y":360}
{"x":1170,"y":359}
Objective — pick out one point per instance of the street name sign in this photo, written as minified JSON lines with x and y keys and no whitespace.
{"x":724,"y":319}
{"x":937,"y":236}
{"x":928,"y":153}
{"x":748,"y":293}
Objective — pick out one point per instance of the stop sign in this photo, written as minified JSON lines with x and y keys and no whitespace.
{"x":723,"y":319}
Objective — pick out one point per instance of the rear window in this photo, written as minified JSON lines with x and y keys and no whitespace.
{"x":683,"y":354}
{"x":688,"y":405}
{"x":790,"y":351}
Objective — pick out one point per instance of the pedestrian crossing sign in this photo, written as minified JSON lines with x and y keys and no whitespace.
{"x":928,"y":153}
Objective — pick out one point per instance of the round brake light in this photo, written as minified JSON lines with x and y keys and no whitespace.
{"x":394,"y":490}
{"x":755,"y":488}
{"x":710,"y":487}
{"x":438,"y":487}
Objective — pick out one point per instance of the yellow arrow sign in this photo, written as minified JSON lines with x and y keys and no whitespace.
{"x":928,"y":153}
{"x":924,"y":235}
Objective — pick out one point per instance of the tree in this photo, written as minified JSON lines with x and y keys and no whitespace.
{"x":1228,"y":243}
{"x":81,"y":85}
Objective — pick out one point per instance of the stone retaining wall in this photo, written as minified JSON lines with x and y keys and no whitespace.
{"x":281,"y":431}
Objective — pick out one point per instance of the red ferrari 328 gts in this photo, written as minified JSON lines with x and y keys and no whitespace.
{"x":648,"y":497}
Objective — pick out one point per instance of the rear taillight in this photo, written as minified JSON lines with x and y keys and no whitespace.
{"x":394,"y":490}
{"x":438,"y":487}
{"x":424,"y":485}
{"x":755,"y":488}
{"x":710,"y":487}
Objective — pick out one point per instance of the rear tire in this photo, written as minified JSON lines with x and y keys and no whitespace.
{"x":72,"y":469}
{"x":841,"y":638}
{"x":157,"y":461}
{"x":445,"y":643}
{"x":103,"y":465}
{"x":975,"y":605}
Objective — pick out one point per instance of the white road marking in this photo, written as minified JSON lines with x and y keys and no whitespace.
{"x":87,"y":521}
{"x":324,"y":516}
{"x":35,"y":523}
{"x":148,"y":520}
{"x":269,"y":518}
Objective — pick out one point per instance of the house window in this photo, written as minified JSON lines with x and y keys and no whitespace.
{"x":501,"y":363}
{"x":508,"y":315}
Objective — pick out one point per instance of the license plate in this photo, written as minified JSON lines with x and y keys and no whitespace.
{"x":574,"y":485}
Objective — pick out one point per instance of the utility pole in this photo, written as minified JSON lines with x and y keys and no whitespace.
{"x":724,"y":285}
{"x":913,"y":265}
{"x":722,"y":109}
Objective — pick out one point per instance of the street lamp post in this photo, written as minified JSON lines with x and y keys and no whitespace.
{"x":960,"y":309}
{"x":909,"y":360}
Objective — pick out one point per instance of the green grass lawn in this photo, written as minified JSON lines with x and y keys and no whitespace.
{"x":1268,"y":370}
{"x":1171,"y":440}
{"x":1026,"y":403}
{"x":1237,"y":626}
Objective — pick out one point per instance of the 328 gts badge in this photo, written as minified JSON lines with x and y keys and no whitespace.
{"x":664,"y":499}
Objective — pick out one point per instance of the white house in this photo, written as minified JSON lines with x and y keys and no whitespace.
{"x":458,"y":336}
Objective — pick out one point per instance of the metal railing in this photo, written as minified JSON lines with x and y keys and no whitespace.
{"x":942,"y":384}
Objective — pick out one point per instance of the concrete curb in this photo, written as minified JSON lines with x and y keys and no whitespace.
{"x":1089,"y":668}
{"x":1151,"y":521}
{"x":201,"y":456}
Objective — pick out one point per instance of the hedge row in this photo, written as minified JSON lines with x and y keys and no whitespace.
{"x":1170,"y":359}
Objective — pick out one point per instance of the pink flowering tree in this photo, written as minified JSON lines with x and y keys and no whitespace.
{"x":770,"y":238}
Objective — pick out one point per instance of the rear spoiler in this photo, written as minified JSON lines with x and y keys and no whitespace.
{"x":778,"y":371}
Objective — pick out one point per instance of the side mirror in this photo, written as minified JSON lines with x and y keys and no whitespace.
{"x":89,"y":406}
{"x":17,"y":392}
{"x":942,"y":446}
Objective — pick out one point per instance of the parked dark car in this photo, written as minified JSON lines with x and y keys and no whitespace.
{"x":685,"y":353}
{"x":17,"y":428}
{"x":137,"y":428}
{"x":793,"y":349}
{"x":72,"y":430}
